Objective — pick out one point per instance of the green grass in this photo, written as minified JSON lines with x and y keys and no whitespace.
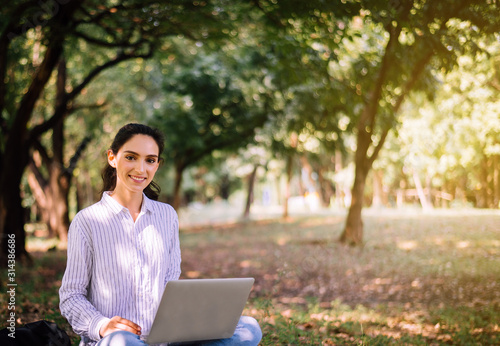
{"x":419,"y":279}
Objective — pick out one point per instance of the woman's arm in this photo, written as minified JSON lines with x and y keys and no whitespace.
{"x":174,"y":265}
{"x":85,"y":319}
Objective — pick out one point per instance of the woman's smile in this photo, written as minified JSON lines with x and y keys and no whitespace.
{"x":137,"y":179}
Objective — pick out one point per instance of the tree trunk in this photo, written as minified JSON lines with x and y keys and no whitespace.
{"x":250,"y":189}
{"x":428,"y":185}
{"x":353,"y":232}
{"x":51,"y":196}
{"x":13,"y":213}
{"x":482,"y":194}
{"x":377,"y":189}
{"x":15,"y":160}
{"x":400,"y":199}
{"x":225,"y":187}
{"x":338,"y":187}
{"x":496,"y":182}
{"x":307,"y":169}
{"x":179,"y":170}
{"x":326,"y":190}
{"x":15,"y":156}
{"x":289,"y":164}
{"x":58,"y":190}
{"x":51,"y":193}
{"x":420,"y":192}
{"x":490,"y":182}
{"x":85,"y":192}
{"x":38,"y":189}
{"x":59,"y":177}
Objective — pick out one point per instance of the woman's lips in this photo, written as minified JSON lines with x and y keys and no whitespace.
{"x":137,"y":179}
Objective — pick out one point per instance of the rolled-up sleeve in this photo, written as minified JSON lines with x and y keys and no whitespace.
{"x":85,"y":319}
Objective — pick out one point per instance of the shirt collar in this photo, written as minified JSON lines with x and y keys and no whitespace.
{"x":111,"y":203}
{"x":147,"y":204}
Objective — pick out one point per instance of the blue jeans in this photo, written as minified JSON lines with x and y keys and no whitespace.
{"x":247,"y":333}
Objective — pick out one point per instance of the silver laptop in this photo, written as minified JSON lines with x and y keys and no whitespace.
{"x":199,"y":309}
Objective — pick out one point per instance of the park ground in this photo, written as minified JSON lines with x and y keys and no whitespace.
{"x":420,"y":278}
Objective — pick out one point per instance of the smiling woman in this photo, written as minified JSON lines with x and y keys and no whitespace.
{"x":135,"y":164}
{"x":150,"y":145}
{"x":124,"y":249}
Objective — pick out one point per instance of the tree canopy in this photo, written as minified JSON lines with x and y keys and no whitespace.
{"x":319,"y":85}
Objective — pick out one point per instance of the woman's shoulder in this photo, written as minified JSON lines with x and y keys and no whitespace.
{"x":89,"y":212}
{"x":161,"y":206}
{"x":161,"y":210}
{"x":90,"y":209}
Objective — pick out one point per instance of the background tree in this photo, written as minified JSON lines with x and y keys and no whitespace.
{"x":205,"y":108}
{"x":38,"y":35}
{"x":385,"y":50}
{"x":415,"y":37}
{"x":315,"y":74}
{"x":299,"y":63}
{"x":51,"y":190}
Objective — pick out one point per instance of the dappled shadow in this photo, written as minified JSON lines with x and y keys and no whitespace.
{"x":302,"y":258}
{"x":411,"y":266}
{"x":412,"y":273}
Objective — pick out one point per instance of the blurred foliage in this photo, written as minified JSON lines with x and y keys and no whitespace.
{"x":290,"y":78}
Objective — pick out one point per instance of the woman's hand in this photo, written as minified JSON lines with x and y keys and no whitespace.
{"x":118,"y":323}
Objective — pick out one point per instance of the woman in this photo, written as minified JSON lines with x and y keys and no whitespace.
{"x":125,"y":248}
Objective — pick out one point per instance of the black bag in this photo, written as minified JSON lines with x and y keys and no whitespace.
{"x":39,"y":333}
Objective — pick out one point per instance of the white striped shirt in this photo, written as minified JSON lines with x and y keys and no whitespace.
{"x":117,"y":267}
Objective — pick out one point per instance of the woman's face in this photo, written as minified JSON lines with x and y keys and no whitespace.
{"x":136,"y":163}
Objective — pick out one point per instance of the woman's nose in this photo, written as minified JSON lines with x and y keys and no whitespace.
{"x":140,"y":166}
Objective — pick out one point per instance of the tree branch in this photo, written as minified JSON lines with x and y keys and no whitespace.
{"x":62,"y":109}
{"x":46,"y":160}
{"x":11,"y":31}
{"x":124,"y":43}
{"x":267,"y":14}
{"x":494,"y":83}
{"x":74,"y":108}
{"x":215,"y":145}
{"x":119,"y":58}
{"x":68,"y":172}
{"x":379,"y":146}
{"x":415,"y":75}
{"x":368,"y":116}
{"x":52,"y":54}
{"x":37,"y":184}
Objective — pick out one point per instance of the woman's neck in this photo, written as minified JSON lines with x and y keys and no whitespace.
{"x":131,"y":201}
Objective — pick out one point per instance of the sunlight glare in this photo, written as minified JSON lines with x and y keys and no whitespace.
{"x":282,"y":241}
{"x":407,"y":245}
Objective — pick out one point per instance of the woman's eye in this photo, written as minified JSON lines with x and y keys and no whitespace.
{"x":129,"y":157}
{"x":151,"y":160}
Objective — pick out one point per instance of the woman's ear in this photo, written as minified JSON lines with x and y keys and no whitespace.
{"x":111,"y":158}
